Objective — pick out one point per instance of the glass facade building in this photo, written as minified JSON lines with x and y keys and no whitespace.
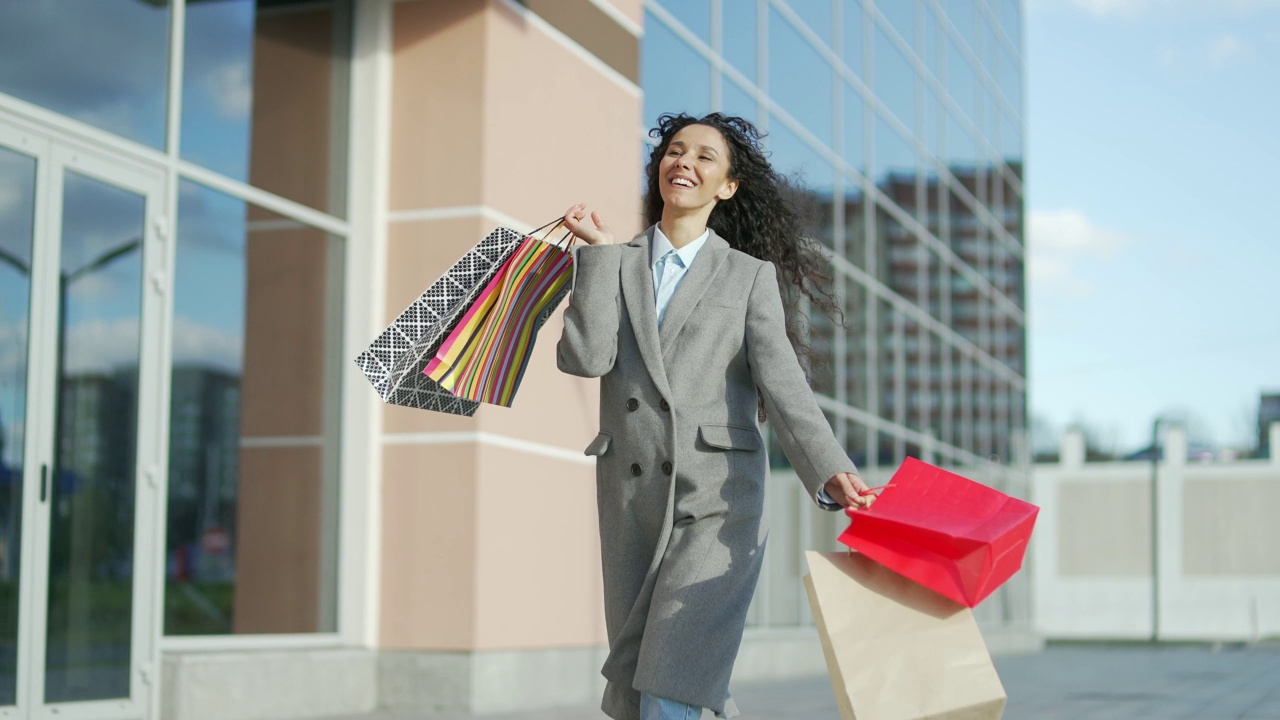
{"x":901,"y":122}
{"x":208,"y":209}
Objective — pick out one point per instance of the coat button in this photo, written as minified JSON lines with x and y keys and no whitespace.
{"x":666,"y":468}
{"x":633,"y":404}
{"x":665,"y":407}
{"x":635,"y":469}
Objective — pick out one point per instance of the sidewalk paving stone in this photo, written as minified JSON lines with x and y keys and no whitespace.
{"x":1064,"y":682}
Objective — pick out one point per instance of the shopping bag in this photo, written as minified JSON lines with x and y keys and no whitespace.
{"x":395,"y":360}
{"x":896,"y":650}
{"x":485,"y":356}
{"x":959,"y":537}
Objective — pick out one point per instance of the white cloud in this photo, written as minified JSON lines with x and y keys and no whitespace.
{"x":10,"y":195}
{"x":195,"y":344}
{"x":1226,"y":48}
{"x":99,"y":346}
{"x":13,"y":349}
{"x":1112,"y":8}
{"x":231,"y":89}
{"x":1129,"y":9}
{"x":1059,"y":241}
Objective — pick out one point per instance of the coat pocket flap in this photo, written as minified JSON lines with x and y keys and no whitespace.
{"x":599,"y":445}
{"x":730,"y":437}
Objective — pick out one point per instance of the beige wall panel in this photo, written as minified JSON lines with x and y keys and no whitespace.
{"x":1230,"y":528}
{"x":292,"y":114}
{"x":550,"y":407}
{"x":437,"y":112}
{"x":283,"y":383}
{"x":598,"y":32}
{"x":428,"y":547}
{"x":557,"y":130}
{"x":278,"y":541}
{"x":1104,"y":529}
{"x":633,"y":9}
{"x":538,"y":555}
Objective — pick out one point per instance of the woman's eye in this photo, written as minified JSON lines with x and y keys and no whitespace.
{"x":706,"y":158}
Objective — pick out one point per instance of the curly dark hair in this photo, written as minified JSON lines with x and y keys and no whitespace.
{"x":765,"y":218}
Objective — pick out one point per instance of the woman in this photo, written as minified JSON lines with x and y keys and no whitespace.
{"x":686,"y":329}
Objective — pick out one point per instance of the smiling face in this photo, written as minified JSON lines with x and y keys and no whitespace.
{"x":694,"y":173}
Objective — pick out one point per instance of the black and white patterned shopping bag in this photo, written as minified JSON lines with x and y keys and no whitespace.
{"x":394,"y":362}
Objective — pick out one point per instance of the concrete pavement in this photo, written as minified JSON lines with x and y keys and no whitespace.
{"x":1076,"y":682}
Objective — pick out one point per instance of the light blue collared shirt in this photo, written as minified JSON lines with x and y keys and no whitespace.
{"x":670,"y":265}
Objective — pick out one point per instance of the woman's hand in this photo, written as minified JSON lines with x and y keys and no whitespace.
{"x":849,"y":490}
{"x":575,"y":220}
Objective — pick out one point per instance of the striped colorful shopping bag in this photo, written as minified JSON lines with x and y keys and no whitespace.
{"x":485,"y":357}
{"x":394,"y":362}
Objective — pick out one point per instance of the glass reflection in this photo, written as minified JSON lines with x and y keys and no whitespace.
{"x":17,"y":214}
{"x":265,"y":95}
{"x":853,"y":19}
{"x":693,"y":14}
{"x":855,"y":123}
{"x":901,"y":15}
{"x":1009,"y":76}
{"x":896,"y":163}
{"x":929,"y":53}
{"x":740,"y":40}
{"x":915,"y":373}
{"x":816,"y":14}
{"x":962,"y":81}
{"x":800,"y":80}
{"x":675,"y":77}
{"x":855,"y":228}
{"x":103,"y":63}
{"x":1010,"y":141}
{"x":963,"y":156}
{"x":965,"y":301}
{"x":1011,"y":20}
{"x":963,"y":16}
{"x":91,"y":543}
{"x":253,"y":432}
{"x":736,"y":101}
{"x":855,"y":306}
{"x":931,"y":127}
{"x":933,"y":383}
{"x":793,"y":157}
{"x":895,"y":80}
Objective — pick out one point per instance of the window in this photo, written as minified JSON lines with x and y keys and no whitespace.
{"x":104,"y":62}
{"x":252,"y":537}
{"x":265,"y":95}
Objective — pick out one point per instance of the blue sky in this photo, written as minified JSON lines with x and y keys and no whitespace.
{"x":1154,"y":254}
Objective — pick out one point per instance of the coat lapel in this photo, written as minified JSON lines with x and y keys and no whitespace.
{"x":692,"y":288}
{"x":637,"y":291}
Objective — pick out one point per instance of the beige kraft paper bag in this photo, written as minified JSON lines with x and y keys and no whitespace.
{"x":895,"y":649}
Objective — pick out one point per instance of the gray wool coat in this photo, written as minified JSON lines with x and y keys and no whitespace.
{"x":680,"y":462}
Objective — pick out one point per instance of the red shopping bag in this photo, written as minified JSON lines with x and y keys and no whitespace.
{"x":955,"y":536}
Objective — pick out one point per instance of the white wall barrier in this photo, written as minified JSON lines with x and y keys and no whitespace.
{"x":1217,"y":554}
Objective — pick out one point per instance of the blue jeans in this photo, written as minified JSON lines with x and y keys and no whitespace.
{"x":653,"y":707}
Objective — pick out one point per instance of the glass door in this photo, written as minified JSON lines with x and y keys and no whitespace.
{"x":17,"y":244}
{"x":80,"y":259}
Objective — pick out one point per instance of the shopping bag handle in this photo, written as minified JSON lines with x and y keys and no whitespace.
{"x":552,"y":225}
{"x":555,"y":225}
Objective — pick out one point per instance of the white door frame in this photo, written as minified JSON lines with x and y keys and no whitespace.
{"x":55,"y":157}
